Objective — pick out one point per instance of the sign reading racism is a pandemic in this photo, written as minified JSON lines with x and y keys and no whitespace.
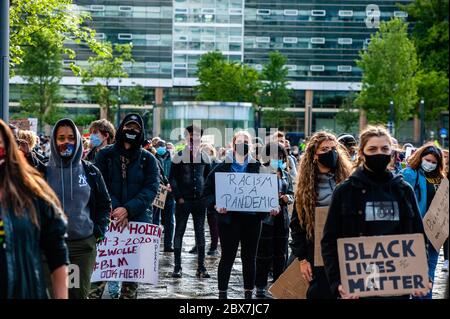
{"x":244,"y":192}
{"x":383,"y":265}
{"x":128,"y":254}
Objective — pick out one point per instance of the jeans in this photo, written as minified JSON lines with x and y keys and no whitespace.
{"x":245,"y":229}
{"x":169,"y":222}
{"x":198,"y":211}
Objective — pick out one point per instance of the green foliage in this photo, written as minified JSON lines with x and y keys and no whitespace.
{"x":389,"y":66}
{"x":225,"y":81}
{"x":134,"y":95}
{"x":84,"y":120}
{"x":347,"y":117}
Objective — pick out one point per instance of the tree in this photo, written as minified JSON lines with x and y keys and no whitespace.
{"x":275,"y":93}
{"x":225,"y":81}
{"x":347,"y":117}
{"x":54,"y":17}
{"x":134,"y":95}
{"x":389,"y":66}
{"x":101,"y":71}
{"x":42,"y":69}
{"x":430,"y":32}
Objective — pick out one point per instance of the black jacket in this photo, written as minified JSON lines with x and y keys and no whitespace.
{"x":24,"y":243}
{"x":188,"y":177}
{"x":139,"y":188}
{"x":209,"y":195}
{"x":347,"y":215}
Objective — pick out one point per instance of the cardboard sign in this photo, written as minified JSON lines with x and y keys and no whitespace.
{"x":290,"y":285}
{"x":208,"y":139}
{"x":128,"y":254}
{"x":243,"y":192}
{"x":383,"y":265}
{"x":160,"y":199}
{"x":320,"y":220}
{"x":435,"y":221}
{"x":21,"y":124}
{"x":409,"y":151}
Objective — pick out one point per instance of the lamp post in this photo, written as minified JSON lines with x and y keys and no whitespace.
{"x":119,"y":102}
{"x":391,"y":118}
{"x":4,"y":60}
{"x":422,"y":120}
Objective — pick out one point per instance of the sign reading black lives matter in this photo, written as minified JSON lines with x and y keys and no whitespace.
{"x":383,"y":265}
{"x":243,"y":192}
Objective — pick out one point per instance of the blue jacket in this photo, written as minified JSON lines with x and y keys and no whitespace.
{"x":416,"y":178}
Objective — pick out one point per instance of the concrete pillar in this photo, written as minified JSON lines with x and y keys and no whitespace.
{"x":362,"y":120}
{"x":416,"y":129}
{"x":308,"y":112}
{"x":159,"y":93}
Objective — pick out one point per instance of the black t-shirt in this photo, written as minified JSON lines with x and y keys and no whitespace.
{"x":433,"y":183}
{"x":3,"y":268}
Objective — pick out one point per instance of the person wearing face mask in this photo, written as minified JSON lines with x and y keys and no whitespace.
{"x":81,"y":189}
{"x":424,"y":173}
{"x":371,"y":202}
{"x":165,"y":159}
{"x":102,"y":133}
{"x":188,"y":173}
{"x":132,"y":177}
{"x":237,"y":227}
{"x":324,"y":165}
{"x":273,"y":243}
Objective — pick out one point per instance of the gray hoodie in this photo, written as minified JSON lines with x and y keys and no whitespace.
{"x":69,"y":182}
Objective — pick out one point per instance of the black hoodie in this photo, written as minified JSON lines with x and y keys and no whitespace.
{"x":362,"y":206}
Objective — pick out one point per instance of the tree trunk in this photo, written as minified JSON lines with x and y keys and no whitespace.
{"x":104,"y":113}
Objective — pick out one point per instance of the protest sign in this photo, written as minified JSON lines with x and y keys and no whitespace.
{"x":408,"y":152}
{"x":160,"y":199}
{"x":435,"y":221}
{"x":247,"y":192}
{"x":290,"y":285}
{"x":208,"y":139}
{"x":383,"y":265}
{"x":320,"y":220}
{"x":128,"y":254}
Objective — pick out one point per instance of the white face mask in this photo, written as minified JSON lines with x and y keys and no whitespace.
{"x":427,"y":166}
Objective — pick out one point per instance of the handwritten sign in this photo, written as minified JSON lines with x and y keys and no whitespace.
{"x":435,"y":221}
{"x":160,"y":199}
{"x":320,"y":220}
{"x":383,"y":265}
{"x":128,"y":254}
{"x":290,"y":285}
{"x":245,"y":192}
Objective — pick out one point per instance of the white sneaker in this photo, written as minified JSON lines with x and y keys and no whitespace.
{"x":445,"y":266}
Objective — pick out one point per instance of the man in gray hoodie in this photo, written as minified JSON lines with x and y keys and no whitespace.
{"x":85,"y":200}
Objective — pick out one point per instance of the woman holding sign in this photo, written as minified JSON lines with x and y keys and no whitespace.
{"x":237,"y":227}
{"x":371,"y":202}
{"x":323,"y":165}
{"x":424,"y":173}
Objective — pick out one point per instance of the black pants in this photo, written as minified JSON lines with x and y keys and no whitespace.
{"x":245,"y":229}
{"x":319,"y":288}
{"x":198,"y":211}
{"x":272,"y":249}
{"x":213,"y":229}
{"x":446,"y":250}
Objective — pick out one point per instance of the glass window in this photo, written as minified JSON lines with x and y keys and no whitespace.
{"x":318,"y":13}
{"x":317,"y":68}
{"x":344,"y":68}
{"x":263,"y":12}
{"x":290,"y":12}
{"x":125,"y":36}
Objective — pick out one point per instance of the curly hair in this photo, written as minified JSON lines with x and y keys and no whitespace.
{"x":305,"y":194}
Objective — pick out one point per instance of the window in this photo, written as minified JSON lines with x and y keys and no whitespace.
{"x":344,"y":68}
{"x":346,"y":13}
{"x":290,"y":40}
{"x":152,"y":65}
{"x":291,"y":67}
{"x":258,"y":67}
{"x":317,"y":68}
{"x":318,"y":13}
{"x":290,"y":12}
{"x":125,"y":8}
{"x":182,"y":38}
{"x":317,"y":40}
{"x":96,"y":7}
{"x":181,"y":10}
{"x":208,"y":38}
{"x":208,"y":11}
{"x":263,"y":12}
{"x":100,"y":36}
{"x":400,"y":14}
{"x":154,"y":9}
{"x":125,"y":36}
{"x":68,"y":62}
{"x":180,"y":65}
{"x":234,"y":39}
{"x":127,"y":64}
{"x":235,"y":12}
{"x":263,"y":39}
{"x":366,"y":41}
{"x":345,"y":40}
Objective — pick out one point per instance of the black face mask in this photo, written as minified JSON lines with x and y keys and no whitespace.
{"x":329,"y":159}
{"x":241,"y":149}
{"x":131,"y":136}
{"x":377,"y":163}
